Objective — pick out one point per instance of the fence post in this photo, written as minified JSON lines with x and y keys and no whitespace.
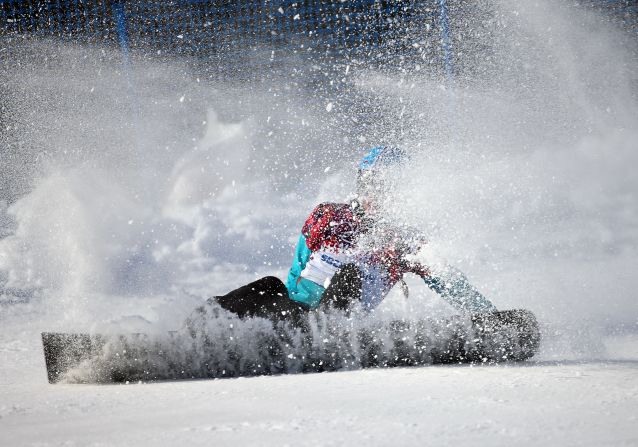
{"x":122,"y":35}
{"x":119,"y":16}
{"x":445,"y":40}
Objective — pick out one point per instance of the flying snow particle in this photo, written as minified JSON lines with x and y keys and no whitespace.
{"x":329,"y":107}
{"x":182,"y":99}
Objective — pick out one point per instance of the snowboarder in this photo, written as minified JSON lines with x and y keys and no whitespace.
{"x":348,"y":255}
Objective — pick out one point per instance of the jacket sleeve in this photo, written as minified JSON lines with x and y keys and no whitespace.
{"x":302,"y":254}
{"x":453,"y":286}
{"x":449,"y":283}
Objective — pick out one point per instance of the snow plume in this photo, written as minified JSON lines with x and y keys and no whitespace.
{"x":129,"y":195}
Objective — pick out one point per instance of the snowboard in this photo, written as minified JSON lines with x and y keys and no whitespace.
{"x":261,"y":347}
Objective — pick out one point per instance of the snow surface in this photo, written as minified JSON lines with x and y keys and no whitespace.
{"x":128,"y":198}
{"x":586,"y":402}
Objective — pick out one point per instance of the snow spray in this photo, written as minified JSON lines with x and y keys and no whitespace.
{"x":122,"y":215}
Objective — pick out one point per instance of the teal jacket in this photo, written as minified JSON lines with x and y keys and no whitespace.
{"x":301,"y":289}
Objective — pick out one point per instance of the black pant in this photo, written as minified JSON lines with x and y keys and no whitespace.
{"x":344,"y":289}
{"x":267,"y":297}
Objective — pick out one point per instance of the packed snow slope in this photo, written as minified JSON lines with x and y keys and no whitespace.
{"x":131,"y":192}
{"x":585,"y":404}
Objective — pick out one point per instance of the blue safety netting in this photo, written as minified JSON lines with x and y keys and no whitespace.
{"x":202,"y":28}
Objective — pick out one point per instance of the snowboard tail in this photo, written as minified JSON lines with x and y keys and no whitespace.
{"x":322,"y":345}
{"x":63,"y":352}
